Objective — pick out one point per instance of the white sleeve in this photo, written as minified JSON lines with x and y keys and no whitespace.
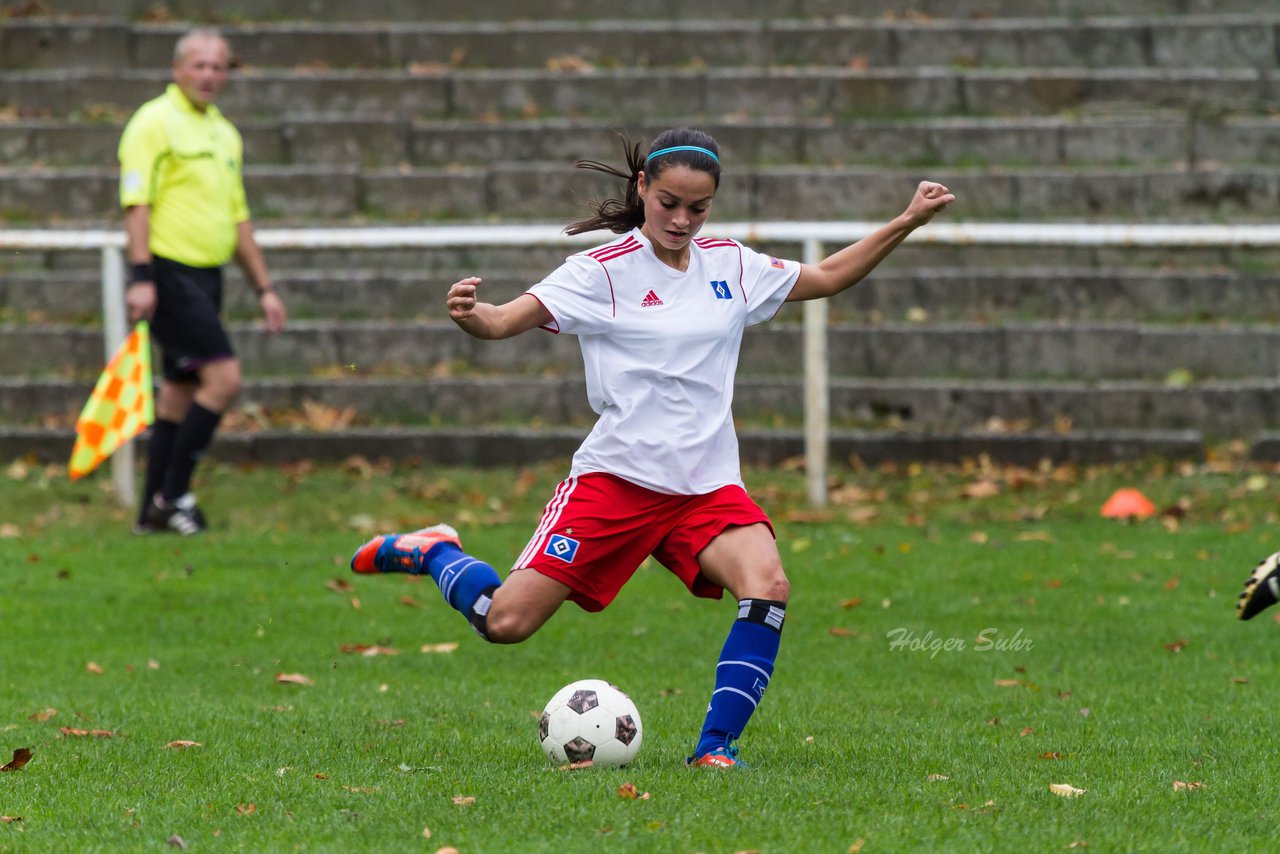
{"x":579,"y":296}
{"x":767,"y":282}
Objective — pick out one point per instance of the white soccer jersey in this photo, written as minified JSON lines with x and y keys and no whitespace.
{"x":660,"y":348}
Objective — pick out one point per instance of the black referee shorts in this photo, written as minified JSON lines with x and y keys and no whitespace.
{"x":186,"y":322}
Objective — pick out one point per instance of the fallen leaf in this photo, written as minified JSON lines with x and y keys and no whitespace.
{"x":1175,"y":646}
{"x":179,"y":745}
{"x":178,"y":842}
{"x":577,"y":766}
{"x":937,"y":778}
{"x":840,"y":632}
{"x":447,"y":646}
{"x":426,"y":833}
{"x":1035,"y":537}
{"x":322,"y":776}
{"x":246,"y":809}
{"x":1051,"y":754}
{"x":979,"y":537}
{"x":1008,"y":683}
{"x":1240,"y":680}
{"x":629,"y":791}
{"x":43,"y":716}
{"x":981,"y":489}
{"x":368,"y":650}
{"x":81,"y":733}
{"x":93,"y":667}
{"x":856,"y":847}
{"x":365,"y":790}
{"x":1179,"y":786}
{"x":294,"y":679}
{"x":340,"y":585}
{"x":463,"y":800}
{"x":21,"y":757}
{"x":851,"y":602}
{"x":1065,"y":790}
{"x":410,"y":601}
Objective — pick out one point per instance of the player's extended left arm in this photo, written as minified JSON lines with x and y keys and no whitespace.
{"x":850,"y":265}
{"x":249,"y":257}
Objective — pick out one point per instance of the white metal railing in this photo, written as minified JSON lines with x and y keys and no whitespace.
{"x":812,"y":236}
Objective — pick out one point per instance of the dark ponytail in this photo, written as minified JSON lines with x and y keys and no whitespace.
{"x":622,"y":215}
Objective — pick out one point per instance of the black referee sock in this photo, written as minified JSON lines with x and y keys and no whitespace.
{"x":194,"y":437}
{"x":159,"y":449}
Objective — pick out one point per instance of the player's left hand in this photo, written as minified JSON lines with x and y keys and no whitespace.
{"x":930,"y":198}
{"x":273,"y":311}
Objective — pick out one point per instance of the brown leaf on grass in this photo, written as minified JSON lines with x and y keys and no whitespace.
{"x":1066,"y":790}
{"x":1240,"y":680}
{"x":447,"y":646}
{"x":1175,"y":646}
{"x":628,"y":791}
{"x":1026,"y":731}
{"x":1180,"y":786}
{"x":1035,"y":537}
{"x":21,"y":756}
{"x":94,"y":667}
{"x":294,"y":679}
{"x":355,"y":603}
{"x":82,"y":733}
{"x":1052,"y":754}
{"x":979,"y":537}
{"x":840,"y":632}
{"x":851,"y":602}
{"x":322,"y":776}
{"x":856,"y":847}
{"x":365,"y":790}
{"x":1172,"y":583}
{"x":368,"y":650}
{"x":410,"y":601}
{"x":182,"y":745}
{"x":981,"y":489}
{"x":246,"y":809}
{"x":463,"y":800}
{"x":41,"y":717}
{"x":1008,"y":683}
{"x":339,"y":585}
{"x":577,"y":766}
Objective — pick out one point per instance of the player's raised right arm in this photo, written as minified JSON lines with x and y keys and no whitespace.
{"x":492,"y":322}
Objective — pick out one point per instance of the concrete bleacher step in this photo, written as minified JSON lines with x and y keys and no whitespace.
{"x":1223,"y":409}
{"x":1031,"y":350}
{"x":1174,"y":138}
{"x":540,"y":192}
{"x":519,"y":446}
{"x":1211,"y":41}
{"x":657,"y":94}
{"x":505,"y":10}
{"x":927,"y":294}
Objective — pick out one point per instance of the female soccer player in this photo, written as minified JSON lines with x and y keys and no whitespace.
{"x":659,"y":313}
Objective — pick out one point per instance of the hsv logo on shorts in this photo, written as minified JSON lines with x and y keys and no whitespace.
{"x":562,"y":547}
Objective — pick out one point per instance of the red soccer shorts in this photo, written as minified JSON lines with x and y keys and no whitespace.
{"x":597,"y":530}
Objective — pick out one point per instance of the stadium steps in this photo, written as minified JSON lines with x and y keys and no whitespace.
{"x":1039,"y":110}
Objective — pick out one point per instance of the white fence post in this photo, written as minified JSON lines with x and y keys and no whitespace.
{"x":816,"y":390}
{"x":113,"y":335}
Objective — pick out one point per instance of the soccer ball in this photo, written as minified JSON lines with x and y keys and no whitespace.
{"x":590,"y":720}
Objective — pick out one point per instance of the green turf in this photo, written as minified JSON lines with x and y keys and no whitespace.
{"x":1112,"y":663}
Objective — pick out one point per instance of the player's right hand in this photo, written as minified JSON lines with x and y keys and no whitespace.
{"x":140,"y":301}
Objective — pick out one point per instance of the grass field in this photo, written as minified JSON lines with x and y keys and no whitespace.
{"x":958,"y":640}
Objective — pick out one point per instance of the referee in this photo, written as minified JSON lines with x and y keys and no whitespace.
{"x":185,"y":216}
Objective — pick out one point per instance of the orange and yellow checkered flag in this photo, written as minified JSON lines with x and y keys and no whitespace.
{"x":121,"y":406}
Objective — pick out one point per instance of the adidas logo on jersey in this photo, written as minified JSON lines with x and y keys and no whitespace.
{"x":650,"y":300}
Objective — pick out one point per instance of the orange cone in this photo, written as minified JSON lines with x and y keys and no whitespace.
{"x":1128,"y":503}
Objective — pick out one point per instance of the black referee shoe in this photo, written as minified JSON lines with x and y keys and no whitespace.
{"x":1261,"y":590}
{"x":183,"y":516}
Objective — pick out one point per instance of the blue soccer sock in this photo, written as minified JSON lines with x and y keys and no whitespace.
{"x":743,"y":673}
{"x":466,"y":583}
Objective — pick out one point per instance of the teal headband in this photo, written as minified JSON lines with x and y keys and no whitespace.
{"x":697,"y":148}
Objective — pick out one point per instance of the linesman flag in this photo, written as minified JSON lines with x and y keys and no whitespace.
{"x":120,"y":407}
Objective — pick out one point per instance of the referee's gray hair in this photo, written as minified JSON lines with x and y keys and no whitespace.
{"x":198,"y":34}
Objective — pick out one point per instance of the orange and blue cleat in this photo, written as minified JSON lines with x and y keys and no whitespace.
{"x":401,"y":552}
{"x":721,"y":757}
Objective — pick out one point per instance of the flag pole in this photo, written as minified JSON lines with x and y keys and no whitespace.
{"x":114,"y":331}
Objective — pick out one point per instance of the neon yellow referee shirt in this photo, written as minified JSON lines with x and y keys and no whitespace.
{"x":186,"y":165}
